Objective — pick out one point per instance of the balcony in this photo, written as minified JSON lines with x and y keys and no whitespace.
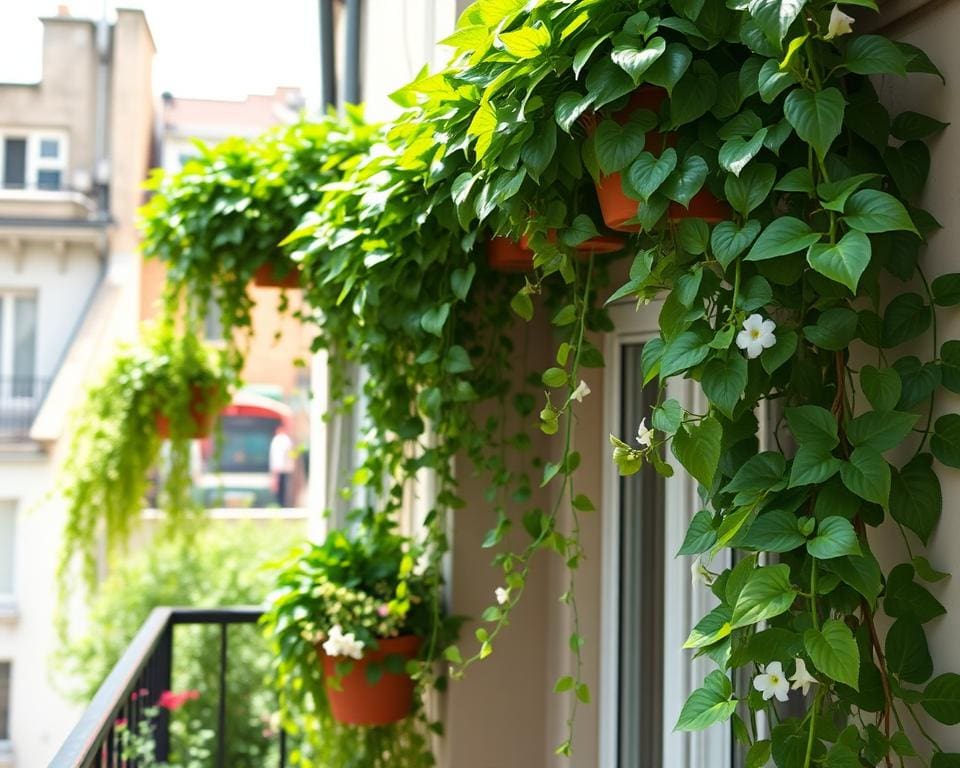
{"x":20,"y":400}
{"x":138,"y":682}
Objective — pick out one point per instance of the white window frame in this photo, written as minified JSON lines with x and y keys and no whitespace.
{"x":8,"y":599}
{"x":683,"y":605}
{"x":34,"y":162}
{"x":7,"y":315}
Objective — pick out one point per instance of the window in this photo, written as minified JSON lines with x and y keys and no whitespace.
{"x":213,"y":321}
{"x":32,"y":160}
{"x":18,"y":345}
{"x":8,"y":526}
{"x":649,"y":605}
{"x":4,"y":701}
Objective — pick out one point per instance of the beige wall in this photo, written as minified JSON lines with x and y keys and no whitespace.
{"x":933,"y":27}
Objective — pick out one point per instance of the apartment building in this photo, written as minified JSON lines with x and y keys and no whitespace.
{"x":74,"y":151}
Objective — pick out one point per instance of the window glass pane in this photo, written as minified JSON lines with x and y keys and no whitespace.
{"x":50,"y":148}
{"x":4,"y":700}
{"x":24,"y":345}
{"x":8,"y":524}
{"x":641,"y":587}
{"x":15,"y":163}
{"x":48,"y":179}
{"x":213,"y":322}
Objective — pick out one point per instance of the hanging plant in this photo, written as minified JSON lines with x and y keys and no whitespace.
{"x":770,"y":110}
{"x":171,"y":386}
{"x":217,"y":223}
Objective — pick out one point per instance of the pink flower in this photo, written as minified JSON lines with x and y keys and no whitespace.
{"x":383,"y":611}
{"x":172,"y":701}
{"x":120,"y":723}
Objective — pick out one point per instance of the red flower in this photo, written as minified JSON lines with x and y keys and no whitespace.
{"x":170,"y":700}
{"x":120,"y":723}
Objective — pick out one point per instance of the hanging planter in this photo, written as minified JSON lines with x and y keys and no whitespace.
{"x":354,"y":700}
{"x":203,"y":412}
{"x":506,"y":255}
{"x":619,"y":210}
{"x":277,"y":275}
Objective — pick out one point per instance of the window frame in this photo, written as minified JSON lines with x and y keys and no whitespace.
{"x":8,"y":297}
{"x":683,"y":605}
{"x":35,"y":163}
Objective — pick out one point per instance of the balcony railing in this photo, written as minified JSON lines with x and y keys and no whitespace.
{"x":20,"y":399}
{"x":147,"y":665}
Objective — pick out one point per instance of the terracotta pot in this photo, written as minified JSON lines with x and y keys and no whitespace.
{"x":269,"y":276}
{"x":505,"y":255}
{"x":360,"y":703}
{"x":616,"y":207}
{"x":703,"y":205}
{"x":591,"y":247}
{"x":202,"y":414}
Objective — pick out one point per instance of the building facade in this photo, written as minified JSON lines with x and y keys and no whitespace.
{"x":74,"y":151}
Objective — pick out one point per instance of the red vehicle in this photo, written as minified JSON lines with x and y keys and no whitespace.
{"x":238,"y":475}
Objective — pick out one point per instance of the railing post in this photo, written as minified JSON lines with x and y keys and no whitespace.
{"x":163,"y":681}
{"x":222,"y":705}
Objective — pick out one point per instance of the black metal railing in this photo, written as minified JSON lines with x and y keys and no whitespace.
{"x":147,"y":665}
{"x":20,"y":400}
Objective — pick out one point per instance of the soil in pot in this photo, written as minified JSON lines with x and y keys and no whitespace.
{"x":357,"y":702}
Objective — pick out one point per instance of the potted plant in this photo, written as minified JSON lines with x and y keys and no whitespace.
{"x":362,"y":613}
{"x":262,"y":188}
{"x":170,"y":385}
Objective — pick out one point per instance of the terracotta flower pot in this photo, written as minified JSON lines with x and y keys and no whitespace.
{"x":616,"y":207}
{"x":703,"y":205}
{"x":269,"y":275}
{"x":202,"y":414}
{"x":505,"y":255}
{"x":360,"y":703}
{"x":591,"y":247}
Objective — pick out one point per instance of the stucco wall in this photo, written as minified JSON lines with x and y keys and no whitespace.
{"x":933,"y":27}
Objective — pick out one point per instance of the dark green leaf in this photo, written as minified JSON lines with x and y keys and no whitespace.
{"x":834,"y":652}
{"x":748,"y":190}
{"x":697,"y":448}
{"x":945,"y":442}
{"x":912,"y":126}
{"x":867,"y":475}
{"x":880,"y":430}
{"x":816,"y":116}
{"x":724,"y":381}
{"x":870,"y":210}
{"x":845,"y":261}
{"x":783,"y":236}
{"x":701,"y":535}
{"x":881,"y":386}
{"x":728,"y":241}
{"x":906,"y":317}
{"x":941,"y":699}
{"x":874,"y":55}
{"x":905,"y":598}
{"x":685,"y":351}
{"x":813,"y":426}
{"x":835,"y":329}
{"x":907,"y":653}
{"x":647,"y":173}
{"x":835,"y":538}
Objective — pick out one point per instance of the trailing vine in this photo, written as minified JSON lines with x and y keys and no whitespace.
{"x":773,"y":212}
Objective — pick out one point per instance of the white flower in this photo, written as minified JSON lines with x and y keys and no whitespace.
{"x":340,"y":644}
{"x":644,"y":435}
{"x":839,"y":24}
{"x":503,"y":595}
{"x":802,"y":680}
{"x":699,"y":574}
{"x":580,"y":392}
{"x":772,"y":682}
{"x":756,"y":336}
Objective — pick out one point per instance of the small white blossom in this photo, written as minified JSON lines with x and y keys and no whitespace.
{"x":772,"y":682}
{"x":644,"y":435}
{"x":503,"y":594}
{"x":699,"y":574}
{"x":756,"y":336}
{"x":340,"y":644}
{"x":580,"y":392}
{"x":840,"y":24}
{"x":802,"y":680}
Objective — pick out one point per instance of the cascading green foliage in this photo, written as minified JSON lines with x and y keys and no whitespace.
{"x":222,"y":216}
{"x":771,"y":107}
{"x":790,"y":303}
{"x":115,"y":442}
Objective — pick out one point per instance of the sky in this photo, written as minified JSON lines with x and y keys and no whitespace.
{"x":253,"y":45}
